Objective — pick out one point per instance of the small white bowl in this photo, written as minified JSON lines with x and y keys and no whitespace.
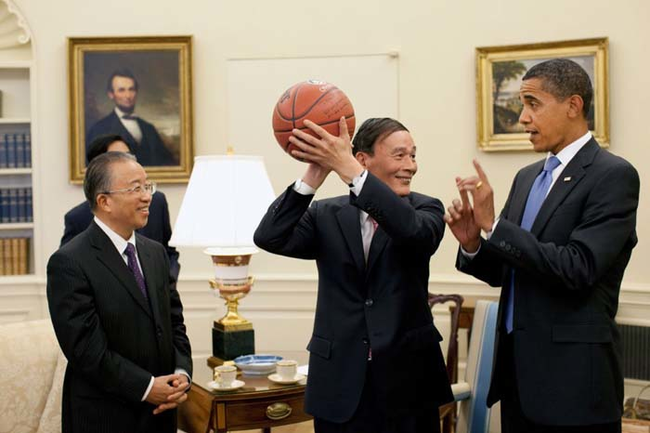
{"x":257,"y":365}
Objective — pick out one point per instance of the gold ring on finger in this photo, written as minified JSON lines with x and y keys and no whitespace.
{"x":479,"y":184}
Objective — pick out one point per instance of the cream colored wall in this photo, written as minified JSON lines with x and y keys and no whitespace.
{"x":435,"y":41}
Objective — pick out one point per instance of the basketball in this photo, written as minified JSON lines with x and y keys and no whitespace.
{"x":322,"y":103}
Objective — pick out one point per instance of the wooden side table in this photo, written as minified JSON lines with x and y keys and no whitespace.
{"x":260,"y":404}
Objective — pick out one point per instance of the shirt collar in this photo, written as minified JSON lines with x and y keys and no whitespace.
{"x":363,"y":216}
{"x":566,"y":155}
{"x":118,"y":241}
{"x":121,"y":114}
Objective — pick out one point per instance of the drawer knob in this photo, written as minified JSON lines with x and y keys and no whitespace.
{"x":277,"y":411}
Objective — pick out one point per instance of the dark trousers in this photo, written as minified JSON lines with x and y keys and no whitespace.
{"x":512,"y":416}
{"x":369,"y":418}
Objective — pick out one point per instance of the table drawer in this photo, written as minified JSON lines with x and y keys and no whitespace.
{"x":266,"y":413}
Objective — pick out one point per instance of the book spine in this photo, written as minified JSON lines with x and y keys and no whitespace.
{"x":29,"y":211}
{"x":21,"y":202}
{"x":19,"y":142}
{"x":6,"y":254}
{"x":2,"y":259}
{"x":11,"y":150}
{"x":3,"y":153}
{"x":28,"y":150}
{"x":13,"y":205}
{"x":4,"y":204}
{"x":23,"y":264}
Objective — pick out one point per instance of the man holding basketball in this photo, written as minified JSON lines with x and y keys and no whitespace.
{"x":375,"y":360}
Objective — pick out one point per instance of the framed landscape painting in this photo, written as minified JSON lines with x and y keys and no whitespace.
{"x":499,"y":71}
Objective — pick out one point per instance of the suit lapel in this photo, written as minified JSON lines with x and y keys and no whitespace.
{"x":348,"y":219}
{"x":518,"y":204}
{"x":123,"y":132}
{"x":112,"y":259}
{"x":573,"y":172}
{"x":377,"y":245}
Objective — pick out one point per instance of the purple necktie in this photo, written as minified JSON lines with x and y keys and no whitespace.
{"x":536,"y":198}
{"x":133,"y":266}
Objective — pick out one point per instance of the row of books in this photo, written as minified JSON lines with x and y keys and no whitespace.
{"x":15,"y":151}
{"x":14,"y":254}
{"x":16,"y":205}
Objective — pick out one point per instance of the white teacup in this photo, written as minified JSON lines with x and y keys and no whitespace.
{"x":225,"y":375}
{"x":287,"y":369}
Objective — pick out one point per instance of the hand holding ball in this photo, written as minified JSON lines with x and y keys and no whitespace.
{"x":322,"y":103}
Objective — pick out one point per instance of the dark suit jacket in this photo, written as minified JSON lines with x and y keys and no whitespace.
{"x":113,"y":338}
{"x":151,"y":150}
{"x":158,"y":227}
{"x":568,"y":272}
{"x":382,"y":305}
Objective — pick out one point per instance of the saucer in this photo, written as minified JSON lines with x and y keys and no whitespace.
{"x":275,"y":378}
{"x":236,"y":384}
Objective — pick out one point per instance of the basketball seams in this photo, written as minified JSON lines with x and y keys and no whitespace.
{"x":320,"y":124}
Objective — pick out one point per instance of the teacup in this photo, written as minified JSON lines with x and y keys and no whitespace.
{"x":225,"y":375}
{"x":287,"y":369}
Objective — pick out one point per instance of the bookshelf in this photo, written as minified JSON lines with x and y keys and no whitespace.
{"x":16,"y":122}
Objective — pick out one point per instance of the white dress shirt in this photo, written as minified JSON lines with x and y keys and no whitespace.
{"x":131,"y":125}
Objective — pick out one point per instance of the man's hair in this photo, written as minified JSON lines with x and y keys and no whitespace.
{"x":101,"y":144}
{"x":563,"y":78}
{"x":373,"y":130}
{"x":98,"y":177}
{"x":124,"y":72}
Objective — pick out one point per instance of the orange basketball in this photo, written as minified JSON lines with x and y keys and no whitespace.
{"x":322,"y":103}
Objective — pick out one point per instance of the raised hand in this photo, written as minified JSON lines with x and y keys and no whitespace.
{"x":482,"y":197}
{"x":327,"y":150}
{"x":460,"y":219}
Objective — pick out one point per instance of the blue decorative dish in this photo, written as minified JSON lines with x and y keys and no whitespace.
{"x":257,"y":365}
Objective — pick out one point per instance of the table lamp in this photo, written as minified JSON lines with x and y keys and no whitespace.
{"x":226,"y":197}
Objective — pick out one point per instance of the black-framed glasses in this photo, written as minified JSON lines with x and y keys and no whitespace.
{"x":149,"y":188}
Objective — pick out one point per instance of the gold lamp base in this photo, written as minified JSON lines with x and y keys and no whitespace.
{"x":232,"y":320}
{"x":232,"y":335}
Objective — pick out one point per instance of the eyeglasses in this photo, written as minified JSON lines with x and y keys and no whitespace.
{"x":148,"y":188}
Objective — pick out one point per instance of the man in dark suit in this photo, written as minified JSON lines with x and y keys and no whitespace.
{"x":558,"y":250}
{"x":375,"y":362}
{"x":158,"y":227}
{"x":141,"y":136}
{"x":119,"y":323}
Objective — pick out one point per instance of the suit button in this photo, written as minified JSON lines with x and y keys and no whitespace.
{"x":369,"y":302}
{"x":365,"y":341}
{"x":502,"y":244}
{"x":508,"y":247}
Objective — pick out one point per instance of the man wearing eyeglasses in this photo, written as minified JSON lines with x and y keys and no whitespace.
{"x":158,"y":226}
{"x":118,"y":319}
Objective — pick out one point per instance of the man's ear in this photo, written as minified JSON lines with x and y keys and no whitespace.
{"x":103,"y":203}
{"x":361,"y":157}
{"x":575,"y":106}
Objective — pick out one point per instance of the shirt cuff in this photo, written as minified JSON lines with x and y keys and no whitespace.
{"x":357,"y":183}
{"x":146,"y":393}
{"x":494,"y":226}
{"x":469,"y":255}
{"x":302,"y":188}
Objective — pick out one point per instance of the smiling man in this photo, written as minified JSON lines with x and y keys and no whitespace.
{"x":117,"y":319}
{"x":141,"y":136}
{"x":375,"y":363}
{"x":558,"y":250}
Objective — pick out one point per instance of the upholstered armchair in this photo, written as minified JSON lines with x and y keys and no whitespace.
{"x":31,"y":378}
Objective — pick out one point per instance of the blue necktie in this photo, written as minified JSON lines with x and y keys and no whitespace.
{"x":536,"y":197}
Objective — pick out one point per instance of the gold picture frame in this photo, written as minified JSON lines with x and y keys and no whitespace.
{"x":498,"y":76}
{"x":139,"y":88}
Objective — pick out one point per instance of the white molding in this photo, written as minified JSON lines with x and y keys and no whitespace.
{"x":20,"y":34}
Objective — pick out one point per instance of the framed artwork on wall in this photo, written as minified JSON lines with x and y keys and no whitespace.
{"x":139,"y":88}
{"x":499,"y":71}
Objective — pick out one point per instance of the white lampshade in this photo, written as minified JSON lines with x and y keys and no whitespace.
{"x":225,"y":200}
